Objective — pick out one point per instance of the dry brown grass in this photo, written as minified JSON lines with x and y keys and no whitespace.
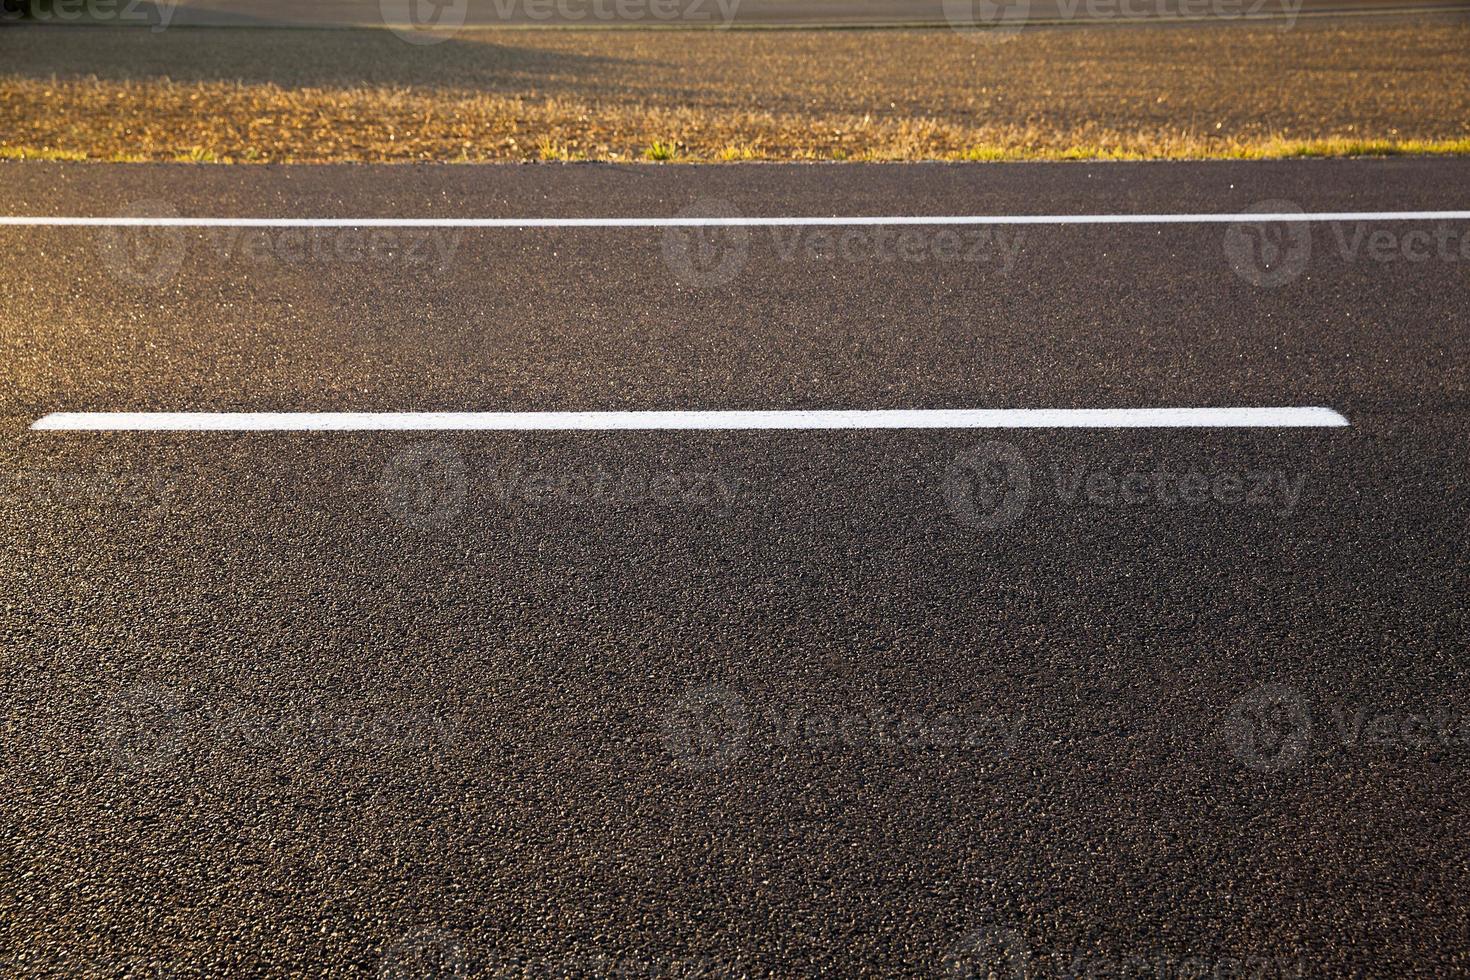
{"x":809,"y":95}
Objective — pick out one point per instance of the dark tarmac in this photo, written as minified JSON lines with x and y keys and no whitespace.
{"x":1141,"y":703}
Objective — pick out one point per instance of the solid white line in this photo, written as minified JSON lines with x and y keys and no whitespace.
{"x":732,"y":222}
{"x":1017,"y":418}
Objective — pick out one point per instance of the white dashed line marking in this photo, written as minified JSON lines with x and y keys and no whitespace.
{"x":1016,"y":418}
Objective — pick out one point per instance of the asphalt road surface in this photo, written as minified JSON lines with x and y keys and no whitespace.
{"x":1157,"y":703}
{"x":450,"y":14}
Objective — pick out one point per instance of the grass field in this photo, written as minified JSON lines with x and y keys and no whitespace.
{"x":1324,"y":88}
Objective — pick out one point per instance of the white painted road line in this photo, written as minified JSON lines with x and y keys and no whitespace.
{"x":1016,"y":418}
{"x":731,"y":222}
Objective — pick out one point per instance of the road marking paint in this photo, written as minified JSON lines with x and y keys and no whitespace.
{"x":727,"y":222}
{"x":1016,"y":418}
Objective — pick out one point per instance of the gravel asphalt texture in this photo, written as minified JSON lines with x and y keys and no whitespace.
{"x":1133,"y":703}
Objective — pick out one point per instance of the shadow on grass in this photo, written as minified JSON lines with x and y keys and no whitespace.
{"x":293,"y":58}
